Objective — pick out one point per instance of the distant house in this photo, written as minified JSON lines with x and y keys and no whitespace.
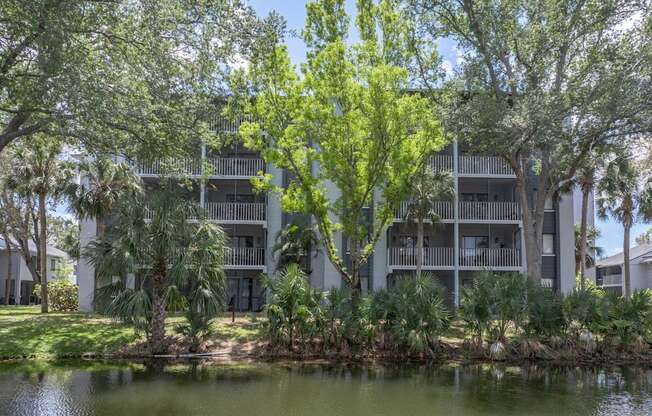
{"x":609,"y":271}
{"x":22,"y":284}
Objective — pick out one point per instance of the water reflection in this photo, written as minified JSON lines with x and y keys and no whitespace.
{"x":163,"y":388}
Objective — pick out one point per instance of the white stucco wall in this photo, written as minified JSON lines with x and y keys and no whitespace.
{"x":566,"y":243}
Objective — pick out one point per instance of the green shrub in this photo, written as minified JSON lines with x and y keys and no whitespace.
{"x":493,"y":303}
{"x":630,"y":319}
{"x":412,"y":313}
{"x":586,"y":310}
{"x":63,"y":295}
{"x":545,"y":313}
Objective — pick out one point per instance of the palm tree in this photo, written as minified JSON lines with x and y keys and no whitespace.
{"x":177,"y":262}
{"x":586,"y":183}
{"x":105,"y":184}
{"x":294,"y":243}
{"x":592,"y":235}
{"x":427,"y":189}
{"x":626,"y":197}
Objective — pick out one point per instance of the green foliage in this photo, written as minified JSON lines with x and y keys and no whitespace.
{"x":545,"y":313}
{"x":294,"y":243}
{"x":63,"y":295}
{"x":413,"y":314}
{"x":350,"y":113}
{"x":629,"y":319}
{"x":586,"y":309}
{"x":495,"y":301}
{"x":292,"y":307}
{"x":125,"y":75}
{"x":63,"y":233}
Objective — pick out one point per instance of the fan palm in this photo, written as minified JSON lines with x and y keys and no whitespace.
{"x":293,"y":244}
{"x":176,"y":256}
{"x":428,"y":188}
{"x":626,"y":197}
{"x":104,"y":184}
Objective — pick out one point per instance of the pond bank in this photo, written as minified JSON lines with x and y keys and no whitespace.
{"x":27,"y":334}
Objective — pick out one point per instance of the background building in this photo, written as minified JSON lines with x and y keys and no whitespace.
{"x":609,"y":271}
{"x":22,"y":283}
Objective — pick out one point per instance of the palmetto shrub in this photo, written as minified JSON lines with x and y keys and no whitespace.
{"x":629,"y":320}
{"x":545,"y":313}
{"x":293,"y":307}
{"x":413,"y":314}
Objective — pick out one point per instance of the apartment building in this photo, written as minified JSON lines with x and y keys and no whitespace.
{"x":480,"y":229}
{"x":609,"y":272}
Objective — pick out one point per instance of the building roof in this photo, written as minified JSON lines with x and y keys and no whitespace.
{"x":52,"y":251}
{"x":637,"y":254}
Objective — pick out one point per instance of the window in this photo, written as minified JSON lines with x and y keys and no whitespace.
{"x":410,"y":241}
{"x":244,"y":241}
{"x":247,"y":198}
{"x":549,"y":206}
{"x":53,"y":264}
{"x":474,"y":197}
{"x":548,"y":244}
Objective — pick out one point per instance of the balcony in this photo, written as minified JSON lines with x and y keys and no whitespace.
{"x":484,"y":166}
{"x":235,"y":168}
{"x":433,"y":257}
{"x":221,"y":124}
{"x":612,"y":280}
{"x":184,"y":166}
{"x":491,"y":258}
{"x":245,"y":258}
{"x":236,"y":212}
{"x":481,"y":211}
{"x":441,"y":163}
{"x":442,"y":208}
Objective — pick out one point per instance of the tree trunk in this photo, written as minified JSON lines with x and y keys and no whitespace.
{"x":43,"y":249}
{"x":583,"y":235}
{"x":628,"y":283}
{"x":9,"y":270}
{"x":531,"y":234}
{"x":157,"y":333}
{"x":419,"y":245}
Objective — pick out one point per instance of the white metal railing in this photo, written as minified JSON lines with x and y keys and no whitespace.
{"x":483,"y":165}
{"x":244,"y":256}
{"x":232,"y":166}
{"x":184,"y":165}
{"x":442,"y":208}
{"x":432,"y":256}
{"x":490,"y":211}
{"x":490,"y":257}
{"x":223,"y":124}
{"x":441,"y":162}
{"x":612,"y":279}
{"x":235,"y":211}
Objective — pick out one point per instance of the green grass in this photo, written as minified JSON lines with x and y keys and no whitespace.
{"x":25,"y":332}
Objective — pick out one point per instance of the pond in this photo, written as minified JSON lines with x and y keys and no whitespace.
{"x":205,"y":388}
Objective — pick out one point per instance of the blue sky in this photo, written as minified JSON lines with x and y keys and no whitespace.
{"x":295,"y":13}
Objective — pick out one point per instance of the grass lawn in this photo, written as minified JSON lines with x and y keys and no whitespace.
{"x":25,"y":332}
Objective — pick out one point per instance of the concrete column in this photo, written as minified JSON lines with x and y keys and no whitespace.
{"x":274,"y":218}
{"x":379,"y":265}
{"x":456,"y":227}
{"x":566,"y":244}
{"x":85,"y":271}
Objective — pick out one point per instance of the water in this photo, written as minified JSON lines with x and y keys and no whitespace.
{"x":96,"y":388}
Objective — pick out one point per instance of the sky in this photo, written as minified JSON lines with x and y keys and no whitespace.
{"x":294,"y":12}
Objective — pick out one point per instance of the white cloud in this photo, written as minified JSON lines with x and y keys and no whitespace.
{"x":448,"y":67}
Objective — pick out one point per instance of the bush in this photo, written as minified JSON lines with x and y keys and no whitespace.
{"x":493,"y":303}
{"x":413,"y":314}
{"x":545,"y":313}
{"x":630,"y":319}
{"x":63,"y":295}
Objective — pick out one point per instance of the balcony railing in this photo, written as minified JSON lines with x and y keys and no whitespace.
{"x":184,"y":166}
{"x":441,"y":163}
{"x":442,"y":208}
{"x":612,"y":280}
{"x":235,"y":167}
{"x":490,"y":211}
{"x":484,"y":165}
{"x":490,"y":257}
{"x":235,"y":211}
{"x":432,"y":256}
{"x":244,"y":257}
{"x":221,"y":124}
